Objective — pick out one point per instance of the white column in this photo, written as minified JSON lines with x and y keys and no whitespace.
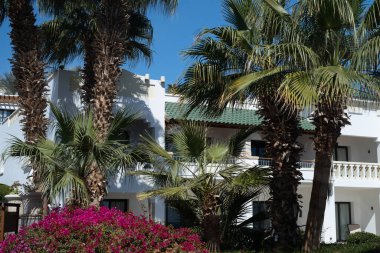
{"x":329,"y":223}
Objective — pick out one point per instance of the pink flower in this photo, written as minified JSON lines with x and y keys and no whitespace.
{"x":100,"y":230}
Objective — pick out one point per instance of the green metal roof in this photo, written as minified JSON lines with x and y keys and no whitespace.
{"x":230,"y":116}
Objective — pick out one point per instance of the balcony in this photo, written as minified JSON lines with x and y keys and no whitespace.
{"x":349,"y":174}
{"x":343,"y":173}
{"x":355,"y":170}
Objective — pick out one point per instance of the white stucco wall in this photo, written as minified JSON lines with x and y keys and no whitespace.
{"x":11,"y":171}
{"x":364,"y":123}
{"x":360,"y":149}
{"x":362,"y":202}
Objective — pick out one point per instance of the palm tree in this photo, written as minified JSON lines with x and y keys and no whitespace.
{"x":202,"y":181}
{"x":71,"y":33}
{"x":114,"y":40}
{"x":7,"y":84}
{"x":341,"y":42}
{"x":27,"y":66}
{"x":108,"y":33}
{"x":113,"y":26}
{"x":226,"y":60}
{"x":66,"y":161}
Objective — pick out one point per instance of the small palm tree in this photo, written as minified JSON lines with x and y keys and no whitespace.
{"x":204,"y":181}
{"x":66,"y":163}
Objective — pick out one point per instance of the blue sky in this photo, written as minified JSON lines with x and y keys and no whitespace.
{"x":171,"y":35}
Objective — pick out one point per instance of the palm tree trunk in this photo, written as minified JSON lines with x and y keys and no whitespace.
{"x":112,"y":22}
{"x":211,"y":230}
{"x":281,"y":128}
{"x":87,"y":93}
{"x":108,"y":47}
{"x":211,"y":223}
{"x":329,"y":120}
{"x":28,"y":69}
{"x":96,"y":185}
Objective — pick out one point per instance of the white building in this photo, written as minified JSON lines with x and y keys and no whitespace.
{"x":355,"y":183}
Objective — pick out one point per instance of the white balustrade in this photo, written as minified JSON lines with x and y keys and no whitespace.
{"x":356,"y":170}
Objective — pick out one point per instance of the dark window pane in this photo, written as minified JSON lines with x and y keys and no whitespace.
{"x":173,"y":217}
{"x":4,"y":114}
{"x":259,"y":209}
{"x":176,"y":219}
{"x":258,"y":148}
{"x":120,"y":204}
{"x":105,"y":203}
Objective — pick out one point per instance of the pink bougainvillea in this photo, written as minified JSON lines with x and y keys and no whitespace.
{"x":100,"y":230}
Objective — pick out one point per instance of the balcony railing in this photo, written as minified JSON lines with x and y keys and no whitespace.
{"x":268,"y":162}
{"x":356,"y":170}
{"x":340,"y":170}
{"x":259,"y":161}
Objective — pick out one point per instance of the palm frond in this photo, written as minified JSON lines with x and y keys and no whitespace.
{"x":237,"y":141}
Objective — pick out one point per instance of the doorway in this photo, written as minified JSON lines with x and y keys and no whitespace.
{"x":343,"y":218}
{"x":341,"y":153}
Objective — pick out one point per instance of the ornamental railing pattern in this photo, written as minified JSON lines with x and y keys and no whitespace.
{"x":356,"y":170}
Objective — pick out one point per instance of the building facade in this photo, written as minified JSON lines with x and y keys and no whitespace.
{"x":354,"y":194}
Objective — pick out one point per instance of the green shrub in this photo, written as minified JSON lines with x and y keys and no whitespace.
{"x":350,"y":248}
{"x":4,"y":190}
{"x":363,"y":237}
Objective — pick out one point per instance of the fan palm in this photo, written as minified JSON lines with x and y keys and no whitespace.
{"x":341,"y":42}
{"x":109,"y":32}
{"x":65,"y":163}
{"x":225,"y":58}
{"x":71,"y":33}
{"x":115,"y":39}
{"x":113,"y":26}
{"x":201,"y":180}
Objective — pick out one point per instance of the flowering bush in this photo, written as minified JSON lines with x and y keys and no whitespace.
{"x":100,"y":230}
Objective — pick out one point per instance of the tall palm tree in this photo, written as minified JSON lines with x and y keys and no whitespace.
{"x":110,"y":46}
{"x":71,"y":34}
{"x":113,"y":27}
{"x":66,"y":161}
{"x":87,"y":27}
{"x":201,"y":180}
{"x":341,"y":40}
{"x":226,"y":60}
{"x":27,"y":66}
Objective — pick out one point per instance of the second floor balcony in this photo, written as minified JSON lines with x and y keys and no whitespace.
{"x":345,"y":174}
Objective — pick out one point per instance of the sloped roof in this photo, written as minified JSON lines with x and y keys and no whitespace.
{"x":11,"y":99}
{"x":230,"y":116}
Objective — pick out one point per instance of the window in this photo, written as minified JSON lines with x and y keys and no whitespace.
{"x":173,"y":217}
{"x":260,"y":209}
{"x":120,"y":204}
{"x":4,"y":114}
{"x":343,"y":218}
{"x":341,"y":153}
{"x":176,"y":219}
{"x":258,"y":148}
